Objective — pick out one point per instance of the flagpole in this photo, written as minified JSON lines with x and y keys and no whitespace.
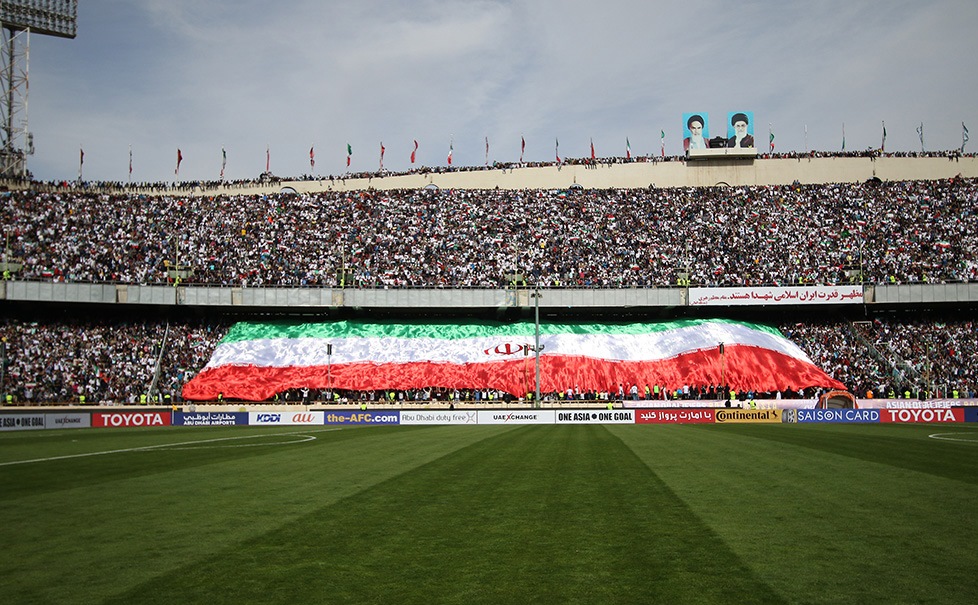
{"x":537,"y":347}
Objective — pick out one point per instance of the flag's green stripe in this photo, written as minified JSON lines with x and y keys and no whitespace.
{"x":454,"y":330}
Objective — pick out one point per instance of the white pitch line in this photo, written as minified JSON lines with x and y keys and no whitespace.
{"x":941,"y":437}
{"x":158,"y":446}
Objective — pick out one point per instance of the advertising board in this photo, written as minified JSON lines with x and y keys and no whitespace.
{"x":438,"y":417}
{"x":724,"y":416}
{"x":286,"y":418}
{"x":209,"y":418}
{"x":675,"y":416}
{"x":836,"y":416}
{"x":926,"y":415}
{"x":517,"y":416}
{"x":374,"y":417}
{"x":67,"y":421}
{"x":596,"y":417}
{"x":21,"y":422}
{"x":130,"y":419}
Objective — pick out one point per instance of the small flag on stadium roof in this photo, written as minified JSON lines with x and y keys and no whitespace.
{"x":451,"y":150}
{"x":628,"y":149}
{"x":179,"y":160}
{"x":414,"y":152}
{"x":522,"y":148}
{"x":349,"y":153}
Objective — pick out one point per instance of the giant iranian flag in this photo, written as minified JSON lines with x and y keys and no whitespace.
{"x":256,"y":360}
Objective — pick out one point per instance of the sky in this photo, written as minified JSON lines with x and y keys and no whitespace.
{"x":267,"y":81}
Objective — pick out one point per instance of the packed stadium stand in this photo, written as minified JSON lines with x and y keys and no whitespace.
{"x":906,"y":232}
{"x":873,"y":233}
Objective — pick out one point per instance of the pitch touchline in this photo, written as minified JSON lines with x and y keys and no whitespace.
{"x":161,"y":445}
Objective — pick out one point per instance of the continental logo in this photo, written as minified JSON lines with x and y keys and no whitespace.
{"x":730,"y":416}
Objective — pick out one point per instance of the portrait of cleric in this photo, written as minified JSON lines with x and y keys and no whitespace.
{"x":695,"y":131}
{"x":740,"y":131}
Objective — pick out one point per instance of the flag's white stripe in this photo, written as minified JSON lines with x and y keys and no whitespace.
{"x":653,"y":346}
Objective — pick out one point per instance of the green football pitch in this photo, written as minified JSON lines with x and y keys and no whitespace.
{"x":491,"y":514}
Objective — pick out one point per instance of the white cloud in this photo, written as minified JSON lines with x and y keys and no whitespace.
{"x":162,"y":74}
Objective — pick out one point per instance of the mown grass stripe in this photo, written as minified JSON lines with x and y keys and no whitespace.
{"x":818,"y":524}
{"x":533,"y":515}
{"x":905,"y":446}
{"x":81,"y":530}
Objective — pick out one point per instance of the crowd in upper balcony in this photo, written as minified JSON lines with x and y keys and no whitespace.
{"x":893,"y":232}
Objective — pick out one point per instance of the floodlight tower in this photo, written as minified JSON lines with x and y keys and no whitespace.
{"x":19,"y":18}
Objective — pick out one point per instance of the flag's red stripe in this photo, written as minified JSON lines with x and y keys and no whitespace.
{"x":743,"y":368}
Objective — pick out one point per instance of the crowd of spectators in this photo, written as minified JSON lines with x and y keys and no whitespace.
{"x":137,"y":361}
{"x":895,"y":232}
{"x":103,"y":361}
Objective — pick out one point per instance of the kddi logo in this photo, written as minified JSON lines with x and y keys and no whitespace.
{"x":269,"y":418}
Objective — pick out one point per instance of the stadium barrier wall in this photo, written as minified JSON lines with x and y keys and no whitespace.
{"x":153,"y":418}
{"x":458,"y":298}
{"x":641,"y":173}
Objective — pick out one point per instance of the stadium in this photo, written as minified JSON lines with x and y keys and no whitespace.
{"x":724,"y":376}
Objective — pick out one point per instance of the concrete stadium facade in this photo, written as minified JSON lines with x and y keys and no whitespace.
{"x":637,"y":175}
